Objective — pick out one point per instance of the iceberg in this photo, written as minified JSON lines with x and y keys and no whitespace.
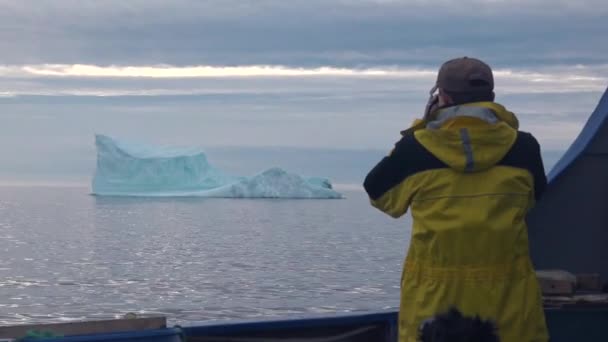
{"x":132,"y":169}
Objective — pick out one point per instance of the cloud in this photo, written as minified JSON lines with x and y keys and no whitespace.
{"x":95,"y":80}
{"x":212,"y":71}
{"x":268,"y":72}
{"x":301,"y":32}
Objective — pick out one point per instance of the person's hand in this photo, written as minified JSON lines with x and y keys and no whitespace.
{"x":431,"y":106}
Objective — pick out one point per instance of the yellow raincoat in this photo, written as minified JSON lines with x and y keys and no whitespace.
{"x":470,"y":178}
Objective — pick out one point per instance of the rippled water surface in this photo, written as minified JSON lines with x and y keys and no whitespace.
{"x":66,"y":255}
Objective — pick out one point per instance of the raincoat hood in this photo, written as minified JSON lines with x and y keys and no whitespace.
{"x":471,"y":137}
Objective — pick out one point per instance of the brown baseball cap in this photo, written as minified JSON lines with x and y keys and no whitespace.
{"x":465,"y":75}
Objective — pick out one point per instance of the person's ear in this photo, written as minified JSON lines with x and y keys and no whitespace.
{"x":444,"y":99}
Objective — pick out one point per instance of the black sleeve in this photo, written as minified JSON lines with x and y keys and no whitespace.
{"x":407,"y":158}
{"x":538,"y":170}
{"x":525,"y":153}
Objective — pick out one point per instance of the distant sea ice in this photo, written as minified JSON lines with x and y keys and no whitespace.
{"x":132,"y":169}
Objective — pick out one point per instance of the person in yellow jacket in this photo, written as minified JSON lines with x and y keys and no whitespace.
{"x":469,"y":177}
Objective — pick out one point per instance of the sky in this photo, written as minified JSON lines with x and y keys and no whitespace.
{"x":315,"y":75}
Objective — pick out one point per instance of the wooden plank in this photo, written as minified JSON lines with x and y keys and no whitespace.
{"x":556,"y":282}
{"x":556,"y":287}
{"x":591,"y":298}
{"x":589,"y":282}
{"x":87,"y":327}
{"x":586,"y":301}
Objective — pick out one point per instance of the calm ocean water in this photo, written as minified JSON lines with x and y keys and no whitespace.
{"x":66,"y":255}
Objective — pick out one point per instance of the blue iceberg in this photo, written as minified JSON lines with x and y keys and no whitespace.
{"x":132,"y":169}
